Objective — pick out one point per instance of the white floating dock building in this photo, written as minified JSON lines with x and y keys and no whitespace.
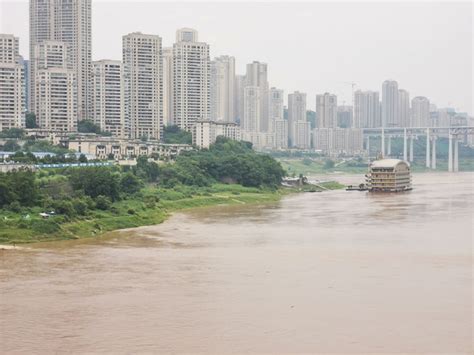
{"x":389,"y":175}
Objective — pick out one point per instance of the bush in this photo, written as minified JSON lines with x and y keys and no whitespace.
{"x":7,"y":195}
{"x":90,"y":202}
{"x":23,"y":224}
{"x":95,"y":181}
{"x":80,"y":206}
{"x":15,"y":207}
{"x":146,"y":170}
{"x":64,"y":207}
{"x":11,"y":146}
{"x":19,"y":186}
{"x":150,"y":204}
{"x":13,"y":133}
{"x":173,"y":134}
{"x":102,"y":203}
{"x":114,"y":210}
{"x":130,"y":184}
{"x":44,"y":226}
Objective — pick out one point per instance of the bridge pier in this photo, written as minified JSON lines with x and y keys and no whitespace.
{"x":433,"y":154}
{"x":428,"y":148}
{"x":367,"y":146}
{"x":405,"y":155}
{"x":456,"y":155}
{"x":450,"y":153}
{"x":411,"y":149}
{"x":382,"y":148}
{"x":389,"y":146}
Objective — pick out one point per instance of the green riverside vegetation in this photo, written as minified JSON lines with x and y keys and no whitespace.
{"x":175,"y":135}
{"x":72,"y":203}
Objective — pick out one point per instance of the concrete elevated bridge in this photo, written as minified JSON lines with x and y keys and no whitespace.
{"x":455,"y":135}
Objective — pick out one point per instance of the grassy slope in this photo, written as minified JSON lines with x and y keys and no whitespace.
{"x":15,"y":228}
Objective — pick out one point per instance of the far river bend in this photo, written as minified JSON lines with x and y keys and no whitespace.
{"x":340,"y":272}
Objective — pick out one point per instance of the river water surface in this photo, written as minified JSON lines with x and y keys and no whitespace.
{"x":336,"y":271}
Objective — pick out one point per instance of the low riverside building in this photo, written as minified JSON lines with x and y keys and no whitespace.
{"x":120,"y":149}
{"x":52,"y":136}
{"x":205,"y":132}
{"x":389,"y":175}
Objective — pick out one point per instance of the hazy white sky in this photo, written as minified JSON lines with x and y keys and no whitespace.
{"x":312,"y":47}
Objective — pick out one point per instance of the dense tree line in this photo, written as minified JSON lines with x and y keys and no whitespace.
{"x":226,"y":160}
{"x":18,"y":188}
{"x":30,"y":158}
{"x":16,"y":133}
{"x":88,"y":126}
{"x":74,"y":191}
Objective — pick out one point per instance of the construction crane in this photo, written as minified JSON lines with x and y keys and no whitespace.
{"x":353,"y":85}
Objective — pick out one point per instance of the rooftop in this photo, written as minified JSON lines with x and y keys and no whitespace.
{"x":387,"y":163}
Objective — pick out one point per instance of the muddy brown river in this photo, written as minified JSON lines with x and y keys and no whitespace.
{"x":338,"y":272}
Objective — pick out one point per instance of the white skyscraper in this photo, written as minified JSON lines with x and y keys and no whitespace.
{"x":108,"y":109}
{"x":168,"y":86}
{"x":143,"y":71}
{"x":252,"y":109}
{"x":12,"y":91}
{"x":67,"y":21}
{"x":366,"y":109}
{"x":222,"y":89}
{"x":55,"y":91}
{"x":390,"y":104}
{"x":420,"y":112}
{"x":26,"y":84}
{"x":276,"y":104}
{"x":256,"y":76}
{"x":50,"y":54}
{"x":41,"y":29}
{"x":9,"y":49}
{"x":296,"y":113}
{"x":191,"y":79}
{"x":56,"y":99}
{"x":302,"y":135}
{"x":281,"y":134}
{"x":239,"y":97}
{"x":275,"y":110}
{"x":403,"y":108}
{"x":326,"y":110}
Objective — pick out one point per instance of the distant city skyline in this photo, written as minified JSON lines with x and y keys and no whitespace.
{"x":321,"y":48}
